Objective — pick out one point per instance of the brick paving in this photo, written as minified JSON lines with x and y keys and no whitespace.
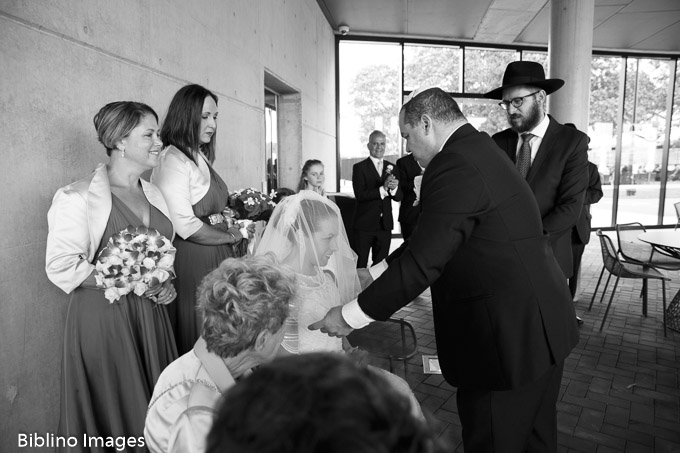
{"x":621,"y":387}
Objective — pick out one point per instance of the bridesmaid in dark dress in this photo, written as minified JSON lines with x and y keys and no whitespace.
{"x":196,"y":197}
{"x":113,"y":352}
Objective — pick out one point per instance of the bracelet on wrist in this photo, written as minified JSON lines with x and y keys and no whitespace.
{"x":215,"y":219}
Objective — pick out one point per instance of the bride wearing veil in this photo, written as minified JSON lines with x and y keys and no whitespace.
{"x":306,"y":233}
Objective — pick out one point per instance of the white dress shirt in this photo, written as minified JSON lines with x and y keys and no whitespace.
{"x":538,"y":133}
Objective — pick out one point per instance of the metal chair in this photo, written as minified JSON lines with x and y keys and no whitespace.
{"x":623,"y":269}
{"x":636,"y":251}
{"x":394,"y":339}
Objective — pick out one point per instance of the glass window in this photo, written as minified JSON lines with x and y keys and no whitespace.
{"x":539,"y":57}
{"x":271,"y":139}
{"x":643,"y":133}
{"x":484,"y":114}
{"x":602,"y":130}
{"x":432,"y":66}
{"x":484,"y":68}
{"x":369,"y":99}
{"x":629,"y":156}
{"x":673,"y":184}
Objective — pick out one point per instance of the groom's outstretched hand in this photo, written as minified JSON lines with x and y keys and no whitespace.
{"x":333,"y":324}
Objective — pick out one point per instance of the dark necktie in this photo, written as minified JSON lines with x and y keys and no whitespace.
{"x":524,"y":156}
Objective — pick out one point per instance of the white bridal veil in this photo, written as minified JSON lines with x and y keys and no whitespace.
{"x":303,"y":231}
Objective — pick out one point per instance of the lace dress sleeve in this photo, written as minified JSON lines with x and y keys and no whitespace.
{"x":291,"y":337}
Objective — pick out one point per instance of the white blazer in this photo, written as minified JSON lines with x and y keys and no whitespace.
{"x":183,"y":184}
{"x":77,"y":220}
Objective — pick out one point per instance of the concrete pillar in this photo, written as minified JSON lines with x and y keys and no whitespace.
{"x":570,"y":48}
{"x":290,"y":140}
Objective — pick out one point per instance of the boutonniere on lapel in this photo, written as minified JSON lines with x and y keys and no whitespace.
{"x":389,"y":169}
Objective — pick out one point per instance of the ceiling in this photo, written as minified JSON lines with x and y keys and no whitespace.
{"x":649,"y":26}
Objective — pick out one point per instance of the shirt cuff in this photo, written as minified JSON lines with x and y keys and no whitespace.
{"x":355,"y":316}
{"x":383,"y":192}
{"x":377,"y":270}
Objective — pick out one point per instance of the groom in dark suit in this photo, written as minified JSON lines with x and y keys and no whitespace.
{"x":375,"y":185}
{"x":504,"y":321}
{"x":552,"y":157}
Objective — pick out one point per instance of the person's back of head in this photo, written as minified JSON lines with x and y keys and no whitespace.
{"x":436,"y":103}
{"x":281,"y":193}
{"x":316,"y":403}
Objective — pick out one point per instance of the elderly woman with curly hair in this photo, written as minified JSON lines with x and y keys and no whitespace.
{"x":244,"y":303}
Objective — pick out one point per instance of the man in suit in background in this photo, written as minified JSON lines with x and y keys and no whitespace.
{"x":580,"y":235}
{"x":550,"y":156}
{"x":410,"y":174}
{"x":504,"y":321}
{"x":375,"y":185}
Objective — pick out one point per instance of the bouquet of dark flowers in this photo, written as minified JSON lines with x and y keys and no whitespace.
{"x":249,"y":210}
{"x":134,"y":260}
{"x":251,"y":204}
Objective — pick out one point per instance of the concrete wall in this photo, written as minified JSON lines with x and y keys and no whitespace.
{"x":59,"y":63}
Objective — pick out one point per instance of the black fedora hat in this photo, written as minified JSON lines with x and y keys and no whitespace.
{"x":525,"y":73}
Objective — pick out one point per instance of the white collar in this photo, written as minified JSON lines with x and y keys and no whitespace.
{"x":448,"y":137}
{"x":540,"y":130}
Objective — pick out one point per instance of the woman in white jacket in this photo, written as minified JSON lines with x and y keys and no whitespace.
{"x":113,"y":352}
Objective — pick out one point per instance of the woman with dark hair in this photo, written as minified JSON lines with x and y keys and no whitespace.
{"x":196,"y":197}
{"x":312,"y":177}
{"x":113,"y":352}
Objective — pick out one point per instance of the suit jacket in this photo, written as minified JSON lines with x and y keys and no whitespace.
{"x":77,"y":220}
{"x":593,"y":195}
{"x":558,"y":179}
{"x":370,"y":208}
{"x":501,"y":306}
{"x":408,"y":169}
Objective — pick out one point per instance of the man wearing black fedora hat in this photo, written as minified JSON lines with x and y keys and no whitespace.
{"x":553,"y":158}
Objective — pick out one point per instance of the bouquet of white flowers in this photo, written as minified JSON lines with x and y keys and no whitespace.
{"x":134,"y":260}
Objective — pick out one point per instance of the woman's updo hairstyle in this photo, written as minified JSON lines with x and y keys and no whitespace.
{"x":117,"y":119}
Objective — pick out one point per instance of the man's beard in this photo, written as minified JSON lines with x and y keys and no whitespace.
{"x":522,"y":123}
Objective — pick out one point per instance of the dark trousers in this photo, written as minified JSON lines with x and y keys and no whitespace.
{"x":577,"y":253}
{"x":519,"y":420}
{"x":377,"y":242}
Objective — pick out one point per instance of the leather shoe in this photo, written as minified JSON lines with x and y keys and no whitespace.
{"x":579,"y":320}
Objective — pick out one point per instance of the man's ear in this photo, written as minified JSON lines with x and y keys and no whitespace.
{"x":427,"y":123}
